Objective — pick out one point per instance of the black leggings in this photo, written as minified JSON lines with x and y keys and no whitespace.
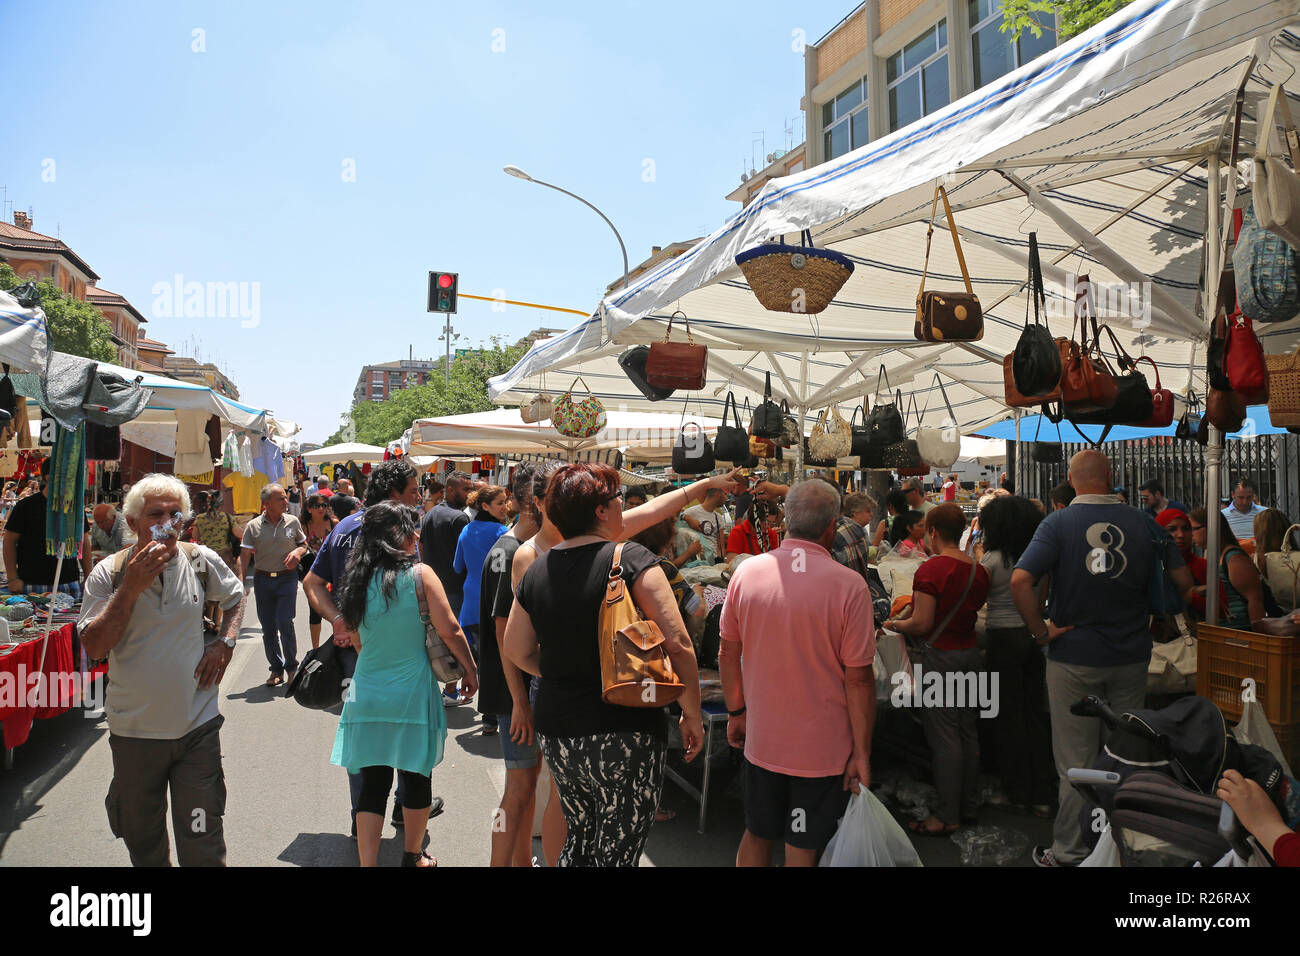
{"x":417,"y":790}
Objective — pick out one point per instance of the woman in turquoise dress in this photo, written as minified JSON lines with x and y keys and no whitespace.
{"x":393,"y":716}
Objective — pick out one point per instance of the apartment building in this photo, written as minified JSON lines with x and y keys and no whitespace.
{"x":377,"y":383}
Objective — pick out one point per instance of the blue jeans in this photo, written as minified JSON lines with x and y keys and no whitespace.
{"x":277,"y":600}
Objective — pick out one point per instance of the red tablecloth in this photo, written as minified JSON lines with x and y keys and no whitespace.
{"x":17,"y":719}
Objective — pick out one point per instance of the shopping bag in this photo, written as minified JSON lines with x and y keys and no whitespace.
{"x":868,"y":835}
{"x":1106,"y":853}
{"x":1254,"y":728}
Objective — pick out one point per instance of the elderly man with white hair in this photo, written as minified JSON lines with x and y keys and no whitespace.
{"x":797,"y":611}
{"x":108,"y":532}
{"x":143,"y":610}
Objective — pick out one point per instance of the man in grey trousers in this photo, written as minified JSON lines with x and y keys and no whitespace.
{"x":143,"y":610}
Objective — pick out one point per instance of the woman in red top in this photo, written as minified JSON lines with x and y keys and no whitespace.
{"x":743,"y":539}
{"x":947,"y":593}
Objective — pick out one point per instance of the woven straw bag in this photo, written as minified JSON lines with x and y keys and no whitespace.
{"x":831,"y":437}
{"x":799,"y":279}
{"x":1284,"y":389}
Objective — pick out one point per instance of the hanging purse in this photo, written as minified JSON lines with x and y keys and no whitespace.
{"x":672,"y":364}
{"x":1243,"y":361}
{"x":767,"y":422}
{"x":831,"y":437}
{"x":1277,"y":187}
{"x":1267,"y":272}
{"x":1133,"y":401}
{"x":1032,"y":374}
{"x":732,"y":441}
{"x":578,"y":419}
{"x":1087,"y":383}
{"x":940,"y":447}
{"x":885,"y":420}
{"x":904,"y":456}
{"x":812,"y":461}
{"x":1162,"y":400}
{"x":947,"y":316}
{"x":1047,"y":452}
{"x":800,"y":279}
{"x":860,"y":436}
{"x":1189,"y":424}
{"x":692,"y":452}
{"x":633,"y":362}
{"x":537,"y":409}
{"x":1284,"y":389}
{"x":791,"y":434}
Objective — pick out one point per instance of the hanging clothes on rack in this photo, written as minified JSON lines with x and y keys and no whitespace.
{"x":192,"y":455}
{"x":230,"y":453}
{"x":267,"y":458}
{"x":246,"y":456}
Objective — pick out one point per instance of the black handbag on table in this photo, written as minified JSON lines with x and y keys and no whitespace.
{"x":732,"y":441}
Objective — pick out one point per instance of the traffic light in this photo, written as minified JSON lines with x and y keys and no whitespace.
{"x":442,"y":291}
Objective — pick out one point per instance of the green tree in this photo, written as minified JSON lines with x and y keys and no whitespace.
{"x":75,"y":327}
{"x":1075,"y":16}
{"x":378,"y":423}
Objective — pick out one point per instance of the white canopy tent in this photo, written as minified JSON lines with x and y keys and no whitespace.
{"x":1101,"y":146}
{"x":1111,"y":147}
{"x":23,"y":340}
{"x":347,"y":451}
{"x":641,"y":436}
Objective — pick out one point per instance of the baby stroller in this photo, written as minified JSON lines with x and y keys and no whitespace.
{"x":1155,"y":781}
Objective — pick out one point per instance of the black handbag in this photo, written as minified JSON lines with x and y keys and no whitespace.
{"x":1189,"y":426}
{"x":632,"y":362}
{"x":319,"y":681}
{"x":1036,"y":362}
{"x":731,"y":442}
{"x":767,"y":422}
{"x":693,"y":453}
{"x":1133,"y":403}
{"x":885,"y":421}
{"x":1047,"y":452}
{"x":904,"y":454}
{"x":861,"y":446}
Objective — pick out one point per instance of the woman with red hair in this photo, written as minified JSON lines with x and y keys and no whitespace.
{"x":608,"y":761}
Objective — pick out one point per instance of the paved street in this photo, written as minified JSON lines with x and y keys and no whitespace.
{"x":288,"y":805}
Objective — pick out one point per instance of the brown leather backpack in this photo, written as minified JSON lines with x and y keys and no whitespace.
{"x":635,"y":670}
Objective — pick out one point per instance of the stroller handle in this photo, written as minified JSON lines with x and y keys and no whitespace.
{"x":1094,"y":706}
{"x":1094,"y":778}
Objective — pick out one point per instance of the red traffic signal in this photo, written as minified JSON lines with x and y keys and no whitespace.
{"x":442,"y":291}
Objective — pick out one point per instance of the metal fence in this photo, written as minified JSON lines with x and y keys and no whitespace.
{"x":1272,"y":462}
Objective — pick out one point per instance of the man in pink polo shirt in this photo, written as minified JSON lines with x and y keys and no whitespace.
{"x":802,"y":700}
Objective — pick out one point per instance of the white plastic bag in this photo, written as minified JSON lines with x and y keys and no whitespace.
{"x":1254,"y":728}
{"x":869,"y":836}
{"x":1106,"y":852}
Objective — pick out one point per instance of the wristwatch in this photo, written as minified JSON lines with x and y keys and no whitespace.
{"x":736,"y":713}
{"x":228,"y":641}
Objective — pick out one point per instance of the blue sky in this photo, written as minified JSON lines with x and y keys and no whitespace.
{"x":233,"y":164}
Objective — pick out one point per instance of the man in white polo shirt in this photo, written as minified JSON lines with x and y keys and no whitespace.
{"x":143,"y":610}
{"x":1241,"y":513}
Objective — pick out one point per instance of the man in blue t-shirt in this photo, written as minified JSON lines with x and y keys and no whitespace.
{"x":1100,"y":555}
{"x":395,"y":480}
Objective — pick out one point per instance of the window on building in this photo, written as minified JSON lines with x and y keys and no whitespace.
{"x":993,"y":53}
{"x":844,"y":121}
{"x":918,"y":77}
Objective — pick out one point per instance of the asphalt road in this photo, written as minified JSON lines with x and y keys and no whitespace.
{"x":288,"y":805}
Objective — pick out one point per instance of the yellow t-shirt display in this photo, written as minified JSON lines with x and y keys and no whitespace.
{"x":247,"y":492}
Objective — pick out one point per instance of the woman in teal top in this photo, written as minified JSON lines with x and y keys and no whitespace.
{"x":476,"y":540}
{"x":1240,"y":580}
{"x":392,"y":714}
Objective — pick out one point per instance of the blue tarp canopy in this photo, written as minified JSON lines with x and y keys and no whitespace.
{"x":1257,"y":423}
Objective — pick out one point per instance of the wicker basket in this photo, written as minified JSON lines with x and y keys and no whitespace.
{"x":798,"y":279}
{"x":1284,"y":389}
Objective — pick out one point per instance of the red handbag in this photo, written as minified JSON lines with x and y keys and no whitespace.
{"x":1243,"y":361}
{"x":1162,"y":401}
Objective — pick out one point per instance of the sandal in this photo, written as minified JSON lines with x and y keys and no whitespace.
{"x":275,"y":680}
{"x":414,"y":859}
{"x":663,"y":816}
{"x":920,"y":829}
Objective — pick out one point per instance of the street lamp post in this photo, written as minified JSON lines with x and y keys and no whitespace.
{"x":520,"y":174}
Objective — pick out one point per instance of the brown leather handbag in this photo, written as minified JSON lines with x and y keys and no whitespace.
{"x":1087,"y":382}
{"x":635,"y":670}
{"x":947,"y":316}
{"x":682,"y":365}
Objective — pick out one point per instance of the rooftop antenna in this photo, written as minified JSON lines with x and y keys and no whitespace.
{"x":762,"y":142}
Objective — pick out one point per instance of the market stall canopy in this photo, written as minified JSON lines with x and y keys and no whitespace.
{"x":641,"y":436}
{"x":348,"y":451}
{"x":983,"y":451}
{"x":1101,"y":146}
{"x":23,"y":340}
